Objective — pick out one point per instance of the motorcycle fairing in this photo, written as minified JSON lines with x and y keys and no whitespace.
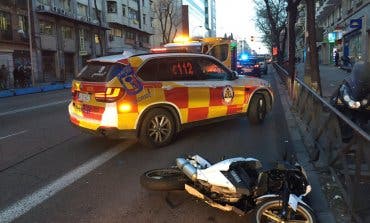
{"x":214,"y":175}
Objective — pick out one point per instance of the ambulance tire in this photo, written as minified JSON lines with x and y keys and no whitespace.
{"x":257,"y":109}
{"x":158,"y":128}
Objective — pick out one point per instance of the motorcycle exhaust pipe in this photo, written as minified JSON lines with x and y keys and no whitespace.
{"x":186,"y":167}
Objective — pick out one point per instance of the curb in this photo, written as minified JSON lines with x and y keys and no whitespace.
{"x":319,"y":203}
{"x":32,"y":90}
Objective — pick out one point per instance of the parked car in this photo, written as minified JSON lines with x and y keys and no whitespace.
{"x":250,"y":67}
{"x":153,"y":96}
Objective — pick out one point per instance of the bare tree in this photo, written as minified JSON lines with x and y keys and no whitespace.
{"x":312,"y":62}
{"x":168,"y":14}
{"x":100,"y":32}
{"x":271,"y":21}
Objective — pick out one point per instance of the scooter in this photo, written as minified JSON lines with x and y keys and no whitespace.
{"x":352,"y":98}
{"x":239,"y":184}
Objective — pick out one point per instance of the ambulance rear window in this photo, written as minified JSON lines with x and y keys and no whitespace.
{"x":98,"y":72}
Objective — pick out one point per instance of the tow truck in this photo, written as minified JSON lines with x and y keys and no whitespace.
{"x":223,"y":49}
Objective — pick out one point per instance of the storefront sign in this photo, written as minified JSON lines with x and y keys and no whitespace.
{"x":331,"y":37}
{"x":355,"y":23}
{"x":83,"y":51}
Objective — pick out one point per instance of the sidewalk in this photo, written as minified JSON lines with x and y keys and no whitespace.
{"x":40,"y":87}
{"x":331,"y":78}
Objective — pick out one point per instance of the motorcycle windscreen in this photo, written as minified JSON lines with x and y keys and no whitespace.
{"x":359,"y":81}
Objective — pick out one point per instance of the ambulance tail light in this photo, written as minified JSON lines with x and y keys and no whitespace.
{"x":256,"y":66}
{"x":110,"y":95}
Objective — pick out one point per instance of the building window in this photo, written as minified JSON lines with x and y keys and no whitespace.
{"x":117,"y":32}
{"x":130,"y":35}
{"x":133,"y":14}
{"x":96,"y":38}
{"x":124,"y":10}
{"x":144,"y":19}
{"x":152,"y":22}
{"x":151,"y":5}
{"x":45,"y":2}
{"x":112,"y":6}
{"x":142,"y":2}
{"x":22,"y":26}
{"x":144,"y":39}
{"x":5,"y":27}
{"x":66,"y":5}
{"x":46,"y":28}
{"x":81,"y":9}
{"x":67,"y":32}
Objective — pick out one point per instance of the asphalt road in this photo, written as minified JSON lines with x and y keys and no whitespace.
{"x":51,"y":172}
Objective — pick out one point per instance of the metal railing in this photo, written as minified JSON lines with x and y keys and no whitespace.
{"x":348,"y":162}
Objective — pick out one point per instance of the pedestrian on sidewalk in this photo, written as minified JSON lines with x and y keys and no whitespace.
{"x":4,"y":73}
{"x":336,"y":58}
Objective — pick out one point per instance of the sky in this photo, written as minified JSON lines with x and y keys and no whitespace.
{"x":237,"y":17}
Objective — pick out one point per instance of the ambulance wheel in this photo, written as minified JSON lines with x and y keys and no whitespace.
{"x":257,"y":109}
{"x":157,"y":129}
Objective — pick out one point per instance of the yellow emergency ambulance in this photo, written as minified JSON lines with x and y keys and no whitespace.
{"x":154,"y":96}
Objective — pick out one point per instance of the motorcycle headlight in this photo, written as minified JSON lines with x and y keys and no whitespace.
{"x":354,"y":104}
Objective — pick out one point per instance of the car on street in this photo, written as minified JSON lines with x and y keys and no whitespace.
{"x":250,"y":67}
{"x":263,"y":65}
{"x":153,"y":96}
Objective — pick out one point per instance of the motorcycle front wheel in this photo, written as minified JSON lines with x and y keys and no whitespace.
{"x":269,"y":211}
{"x":164,"y":179}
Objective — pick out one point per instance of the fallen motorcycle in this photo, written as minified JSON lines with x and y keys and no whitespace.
{"x":240,"y":185}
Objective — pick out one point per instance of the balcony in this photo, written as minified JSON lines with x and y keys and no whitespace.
{"x":65,"y":14}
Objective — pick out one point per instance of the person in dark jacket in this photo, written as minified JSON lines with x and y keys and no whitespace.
{"x":336,"y":58}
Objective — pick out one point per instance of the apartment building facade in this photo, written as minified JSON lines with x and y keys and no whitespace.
{"x":131,"y":25}
{"x":343,"y":22}
{"x":63,"y":34}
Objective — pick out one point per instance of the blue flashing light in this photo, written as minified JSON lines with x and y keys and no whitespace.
{"x":244,"y":56}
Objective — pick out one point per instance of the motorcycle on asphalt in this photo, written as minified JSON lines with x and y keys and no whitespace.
{"x":239,"y":184}
{"x":352,"y":99}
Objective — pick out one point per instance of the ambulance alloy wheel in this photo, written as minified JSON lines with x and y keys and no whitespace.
{"x":257,"y":109}
{"x":158,"y":128}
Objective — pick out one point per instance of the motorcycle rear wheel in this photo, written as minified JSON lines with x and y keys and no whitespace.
{"x":268,"y":212}
{"x":164,"y":179}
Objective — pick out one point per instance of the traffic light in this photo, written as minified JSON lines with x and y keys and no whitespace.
{"x":252,"y":38}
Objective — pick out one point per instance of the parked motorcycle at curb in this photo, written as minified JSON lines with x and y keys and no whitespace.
{"x":241,"y":185}
{"x":352,"y":98}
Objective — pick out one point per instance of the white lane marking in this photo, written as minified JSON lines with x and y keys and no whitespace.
{"x":22,"y":206}
{"x":14,"y":134}
{"x":33,"y":108}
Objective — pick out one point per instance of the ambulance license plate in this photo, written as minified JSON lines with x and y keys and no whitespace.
{"x":83,"y":97}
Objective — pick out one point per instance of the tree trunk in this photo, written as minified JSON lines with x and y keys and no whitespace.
{"x":312,"y":64}
{"x":292,"y":19}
